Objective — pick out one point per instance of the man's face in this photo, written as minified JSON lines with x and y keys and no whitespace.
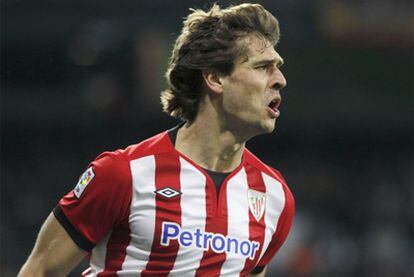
{"x":251,"y":93}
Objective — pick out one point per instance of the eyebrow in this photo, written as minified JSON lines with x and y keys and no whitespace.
{"x":278,"y":62}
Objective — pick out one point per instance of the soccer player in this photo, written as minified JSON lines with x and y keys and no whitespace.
{"x":192,"y":200}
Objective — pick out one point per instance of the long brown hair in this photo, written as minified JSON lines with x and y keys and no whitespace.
{"x":208,"y":40}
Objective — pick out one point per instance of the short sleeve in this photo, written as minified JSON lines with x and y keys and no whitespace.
{"x":283,"y":227}
{"x":100,"y":200}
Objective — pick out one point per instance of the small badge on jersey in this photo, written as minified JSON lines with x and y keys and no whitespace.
{"x":257,"y":203}
{"x":168,"y":192}
{"x":83,"y":182}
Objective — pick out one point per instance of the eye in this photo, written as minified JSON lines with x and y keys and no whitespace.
{"x":264,"y":67}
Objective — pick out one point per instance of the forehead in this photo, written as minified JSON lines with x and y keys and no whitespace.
{"x":257,"y":49}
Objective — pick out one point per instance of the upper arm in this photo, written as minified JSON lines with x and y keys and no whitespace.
{"x":100,"y":201}
{"x":54,"y":253}
{"x":83,"y":217}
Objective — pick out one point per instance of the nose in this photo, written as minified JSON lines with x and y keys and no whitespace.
{"x":279,"y":80}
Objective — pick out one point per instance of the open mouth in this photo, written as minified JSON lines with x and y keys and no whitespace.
{"x":273,"y":107}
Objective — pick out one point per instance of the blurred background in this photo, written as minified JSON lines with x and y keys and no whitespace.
{"x":83,"y":76}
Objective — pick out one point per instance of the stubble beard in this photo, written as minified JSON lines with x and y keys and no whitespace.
{"x":246,"y":129}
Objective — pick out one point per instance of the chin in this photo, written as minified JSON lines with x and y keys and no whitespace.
{"x":251,"y":128}
{"x":269,"y":125}
{"x":269,"y":129}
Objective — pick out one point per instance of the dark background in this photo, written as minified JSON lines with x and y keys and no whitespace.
{"x":81,"y":77}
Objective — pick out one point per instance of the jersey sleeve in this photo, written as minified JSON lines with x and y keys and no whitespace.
{"x":100,"y":200}
{"x":283,"y":227}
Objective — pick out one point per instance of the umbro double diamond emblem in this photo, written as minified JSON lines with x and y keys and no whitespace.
{"x":168,"y":192}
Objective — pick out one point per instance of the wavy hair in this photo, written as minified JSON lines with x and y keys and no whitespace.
{"x":208,"y":41}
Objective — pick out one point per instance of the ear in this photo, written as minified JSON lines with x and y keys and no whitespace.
{"x":212,"y":81}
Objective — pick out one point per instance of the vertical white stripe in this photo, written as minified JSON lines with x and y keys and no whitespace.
{"x":193,"y":216}
{"x":142,"y":216}
{"x":237,"y":221}
{"x":97,"y":261}
{"x":275,"y":201}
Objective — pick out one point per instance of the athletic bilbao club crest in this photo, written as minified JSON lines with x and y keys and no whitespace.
{"x":257,"y":203}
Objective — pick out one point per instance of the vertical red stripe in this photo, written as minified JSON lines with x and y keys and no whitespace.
{"x":116,"y":249}
{"x":283,"y":226}
{"x":119,"y":239}
{"x":256,"y":228}
{"x":216,"y":222}
{"x":167,"y":174}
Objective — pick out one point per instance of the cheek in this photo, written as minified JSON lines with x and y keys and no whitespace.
{"x":244,"y":92}
{"x":243,"y":100}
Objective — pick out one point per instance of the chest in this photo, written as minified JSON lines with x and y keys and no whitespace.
{"x":177,"y":214}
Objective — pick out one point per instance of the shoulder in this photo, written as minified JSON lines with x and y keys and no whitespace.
{"x":254,"y":161}
{"x":159,"y":143}
{"x":119,"y":158}
{"x":270,"y":173}
{"x":114,"y":166}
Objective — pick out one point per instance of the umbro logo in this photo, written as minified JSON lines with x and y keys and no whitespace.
{"x":168,"y":192}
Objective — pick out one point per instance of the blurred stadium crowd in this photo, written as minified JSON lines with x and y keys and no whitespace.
{"x":82,"y":77}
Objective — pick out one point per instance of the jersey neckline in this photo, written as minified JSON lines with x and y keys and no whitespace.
{"x":216,"y":195}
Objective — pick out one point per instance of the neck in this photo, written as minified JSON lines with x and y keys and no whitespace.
{"x":209,"y":145}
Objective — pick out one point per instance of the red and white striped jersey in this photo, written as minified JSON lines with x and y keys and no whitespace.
{"x":148,"y":210}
